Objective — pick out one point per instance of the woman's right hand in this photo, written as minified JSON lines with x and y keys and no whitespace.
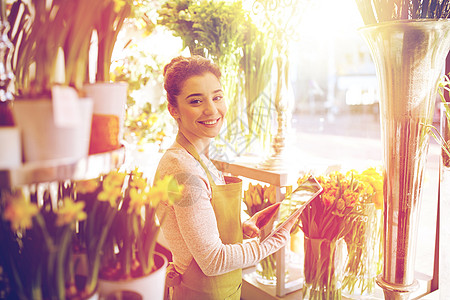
{"x":252,"y":226}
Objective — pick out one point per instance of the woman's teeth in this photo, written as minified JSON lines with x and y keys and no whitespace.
{"x":209,"y":122}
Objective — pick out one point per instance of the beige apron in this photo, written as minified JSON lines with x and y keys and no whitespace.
{"x":226,"y":202}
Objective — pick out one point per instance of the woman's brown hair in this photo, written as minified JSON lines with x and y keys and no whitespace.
{"x":182,"y":68}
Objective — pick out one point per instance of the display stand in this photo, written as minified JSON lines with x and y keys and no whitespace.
{"x":251,"y":289}
{"x":279,"y":179}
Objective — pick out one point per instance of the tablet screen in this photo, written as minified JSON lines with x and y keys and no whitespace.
{"x":292,"y":206}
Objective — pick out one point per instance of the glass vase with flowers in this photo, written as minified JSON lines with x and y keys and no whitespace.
{"x":325,"y":222}
{"x":365,"y":237}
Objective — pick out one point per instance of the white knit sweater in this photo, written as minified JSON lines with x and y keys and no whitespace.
{"x":190,"y":226}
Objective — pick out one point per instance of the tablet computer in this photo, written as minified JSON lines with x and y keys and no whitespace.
{"x":292,"y":207}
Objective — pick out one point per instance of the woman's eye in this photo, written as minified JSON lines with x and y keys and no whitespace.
{"x":195,"y":101}
{"x":218,"y":98}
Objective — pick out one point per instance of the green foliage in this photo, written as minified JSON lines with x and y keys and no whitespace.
{"x":208,"y":28}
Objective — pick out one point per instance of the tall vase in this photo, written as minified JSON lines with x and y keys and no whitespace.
{"x":444,"y":208}
{"x":409,"y":57}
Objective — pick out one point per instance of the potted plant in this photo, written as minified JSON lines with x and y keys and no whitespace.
{"x":36,"y":253}
{"x":93,"y":230}
{"x":129,"y":256}
{"x":109,"y":97}
{"x":48,"y":56}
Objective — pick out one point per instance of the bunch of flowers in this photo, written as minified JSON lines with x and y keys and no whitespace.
{"x":128,"y":251}
{"x":365,"y":236}
{"x":257,"y":198}
{"x":325,"y":222}
{"x":36,"y":253}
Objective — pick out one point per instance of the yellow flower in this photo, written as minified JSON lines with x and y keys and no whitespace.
{"x":139,"y":183}
{"x":247,"y":199}
{"x":166,"y":190}
{"x":86,"y":186}
{"x":137,"y":201}
{"x":256,"y":197}
{"x":112,"y":188}
{"x":20,"y":212}
{"x":375,"y":179}
{"x":69,"y":212}
{"x":118,"y":5}
{"x":270,"y":194}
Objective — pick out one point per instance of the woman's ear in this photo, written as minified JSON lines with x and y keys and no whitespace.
{"x":173,"y":111}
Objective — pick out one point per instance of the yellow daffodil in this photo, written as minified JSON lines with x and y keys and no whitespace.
{"x":70,"y":211}
{"x":86,"y":186}
{"x":138,"y":199}
{"x":139,"y":183}
{"x":20,"y":212}
{"x":112,"y":188}
{"x":166,"y":190}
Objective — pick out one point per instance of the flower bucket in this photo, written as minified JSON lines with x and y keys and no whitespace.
{"x":10,"y":147}
{"x":43,"y":140}
{"x":110,"y":100}
{"x":150,"y":287}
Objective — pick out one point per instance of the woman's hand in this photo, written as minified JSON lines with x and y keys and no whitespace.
{"x":252,"y":226}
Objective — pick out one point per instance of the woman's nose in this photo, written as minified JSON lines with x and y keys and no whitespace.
{"x":210,"y":107}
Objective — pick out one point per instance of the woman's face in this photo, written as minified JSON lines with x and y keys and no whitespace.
{"x":201,"y":108}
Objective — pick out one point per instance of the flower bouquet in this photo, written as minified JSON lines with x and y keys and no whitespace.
{"x":36,"y":253}
{"x":325,"y":222}
{"x":257,"y":198}
{"x":365,"y":236}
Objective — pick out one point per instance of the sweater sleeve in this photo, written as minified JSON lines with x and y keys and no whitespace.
{"x":190,"y":226}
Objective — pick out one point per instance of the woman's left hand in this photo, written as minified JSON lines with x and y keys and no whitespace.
{"x":252,"y":226}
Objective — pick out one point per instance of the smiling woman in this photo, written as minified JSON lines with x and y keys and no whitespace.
{"x":203,"y":230}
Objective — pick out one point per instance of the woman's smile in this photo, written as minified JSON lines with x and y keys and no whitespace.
{"x":210,"y":122}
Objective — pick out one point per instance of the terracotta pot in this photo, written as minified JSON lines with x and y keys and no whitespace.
{"x":110,"y":99}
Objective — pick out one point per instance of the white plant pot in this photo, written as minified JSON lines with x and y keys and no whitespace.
{"x":110,"y":98}
{"x":150,"y":287}
{"x":10,"y":148}
{"x":43,"y":140}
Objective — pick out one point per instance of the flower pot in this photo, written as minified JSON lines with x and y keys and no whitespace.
{"x":10,"y":147}
{"x":409,"y":57}
{"x":150,"y":287}
{"x":110,"y":100}
{"x":43,"y":140}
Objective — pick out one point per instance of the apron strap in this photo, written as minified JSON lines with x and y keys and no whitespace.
{"x":183,"y":141}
